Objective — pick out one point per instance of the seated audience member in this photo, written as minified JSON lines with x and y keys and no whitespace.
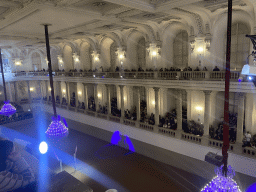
{"x":247,"y":141}
{"x":15,"y":173}
{"x":197,"y":69}
{"x":216,"y":69}
{"x":205,"y":69}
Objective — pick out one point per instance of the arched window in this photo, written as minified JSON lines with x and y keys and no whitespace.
{"x":36,"y":61}
{"x":141,"y":53}
{"x":240,"y":46}
{"x":180,"y":50}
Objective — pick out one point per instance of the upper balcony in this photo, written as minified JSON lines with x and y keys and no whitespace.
{"x":162,"y":75}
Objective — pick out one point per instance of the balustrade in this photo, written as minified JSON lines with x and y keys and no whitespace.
{"x":191,"y":137}
{"x":166,"y":132}
{"x":249,"y":151}
{"x":169,"y":75}
{"x":219,"y":144}
{"x":129,"y":122}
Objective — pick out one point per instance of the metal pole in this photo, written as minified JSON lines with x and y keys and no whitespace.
{"x":1,"y":63}
{"x":226,"y":104}
{"x":50,"y":67}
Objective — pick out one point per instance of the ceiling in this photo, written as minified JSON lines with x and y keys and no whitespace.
{"x":21,"y":20}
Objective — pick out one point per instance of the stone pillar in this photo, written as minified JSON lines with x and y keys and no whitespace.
{"x":138,"y":104}
{"x":76,"y":94}
{"x":240,"y":118}
{"x":39,"y":87}
{"x":179,"y":109}
{"x":188,"y":104}
{"x":207,"y":111}
{"x":156,"y":89}
{"x":16,"y":91}
{"x":29,"y":94}
{"x":122,"y":100}
{"x":46,"y":90}
{"x":85,"y":96}
{"x":108,"y":99}
{"x":96,"y":97}
{"x":10,"y":91}
{"x":67,"y":93}
{"x":249,"y":105}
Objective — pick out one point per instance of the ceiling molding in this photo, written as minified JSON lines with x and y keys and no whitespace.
{"x":136,"y":4}
{"x":5,"y":3}
{"x":173,"y":4}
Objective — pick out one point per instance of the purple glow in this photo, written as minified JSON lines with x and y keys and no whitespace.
{"x":57,"y":129}
{"x":239,"y":80}
{"x":252,"y":188}
{"x":220,"y":183}
{"x":7,"y":109}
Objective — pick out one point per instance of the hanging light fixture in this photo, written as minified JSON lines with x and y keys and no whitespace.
{"x":7,"y":109}
{"x":56,"y":129}
{"x":222,"y":183}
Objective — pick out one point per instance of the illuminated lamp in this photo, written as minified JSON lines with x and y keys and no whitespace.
{"x":7,"y":109}
{"x":220,"y":183}
{"x":57,"y":129}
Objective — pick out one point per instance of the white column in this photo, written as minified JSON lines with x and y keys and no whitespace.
{"x":40,"y":89}
{"x":108,"y":99}
{"x":67,"y":93}
{"x":10,"y":91}
{"x":240,"y":118}
{"x":179,"y":109}
{"x":207,"y":111}
{"x":188,"y":104}
{"x":96,"y":97}
{"x":122,"y":100}
{"x":16,"y":91}
{"x":156,"y":89}
{"x":249,"y":104}
{"x":137,"y":91}
{"x":29,"y":94}
{"x":76,"y":94}
{"x":46,"y":90}
{"x":85,"y":96}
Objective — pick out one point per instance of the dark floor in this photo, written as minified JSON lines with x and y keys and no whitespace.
{"x":132,"y":172}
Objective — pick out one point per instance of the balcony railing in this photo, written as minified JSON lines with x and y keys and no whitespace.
{"x":168,"y":75}
{"x":178,"y":134}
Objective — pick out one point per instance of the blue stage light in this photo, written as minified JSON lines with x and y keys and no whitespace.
{"x":250,"y":78}
{"x":43,"y":147}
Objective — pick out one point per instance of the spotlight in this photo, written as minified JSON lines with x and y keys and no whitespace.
{"x":250,"y":78}
{"x":43,"y":147}
{"x":93,"y":75}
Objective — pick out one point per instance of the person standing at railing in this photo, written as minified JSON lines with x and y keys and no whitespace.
{"x":216,"y":69}
{"x":247,"y":139}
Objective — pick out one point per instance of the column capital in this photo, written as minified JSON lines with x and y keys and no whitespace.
{"x":121,"y":86}
{"x":85,"y":84}
{"x":156,"y":89}
{"x":207,"y":92}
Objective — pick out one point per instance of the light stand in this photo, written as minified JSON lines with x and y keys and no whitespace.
{"x":57,"y":129}
{"x":223,"y":181}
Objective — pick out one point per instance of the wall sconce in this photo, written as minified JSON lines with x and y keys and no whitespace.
{"x":192,"y":45}
{"x":153,"y":102}
{"x":46,"y":60}
{"x":79,"y":93}
{"x":99,"y":95}
{"x":63,"y":91}
{"x":124,"y":98}
{"x":75,"y":57}
{"x":95,"y":55}
{"x":17,"y":62}
{"x":199,"y":110}
{"x":120,"y":53}
{"x":200,"y":51}
{"x":207,"y":44}
{"x":153,"y":50}
{"x":50,"y":88}
{"x":31,"y":89}
{"x":60,"y":59}
{"x":0,"y":93}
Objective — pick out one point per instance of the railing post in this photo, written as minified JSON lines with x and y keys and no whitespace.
{"x":155,"y":74}
{"x":207,"y":75}
{"x":178,"y":75}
